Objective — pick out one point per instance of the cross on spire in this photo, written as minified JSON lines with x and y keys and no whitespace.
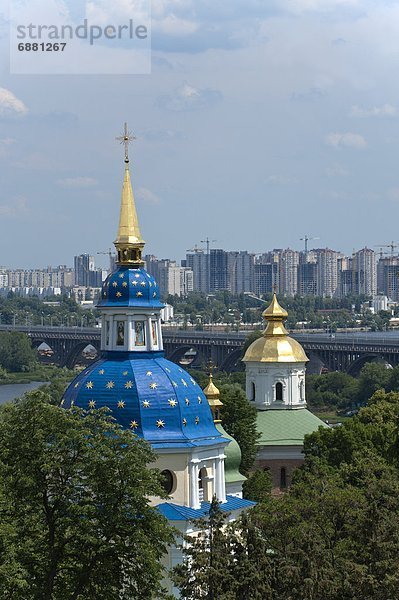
{"x":125,"y":139}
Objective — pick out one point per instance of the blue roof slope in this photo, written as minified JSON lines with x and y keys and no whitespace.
{"x":153,"y":397}
{"x":175,"y":512}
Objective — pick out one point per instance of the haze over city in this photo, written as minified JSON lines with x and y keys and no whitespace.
{"x":259,"y":123}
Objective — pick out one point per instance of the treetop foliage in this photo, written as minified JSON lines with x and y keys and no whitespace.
{"x":75,"y":519}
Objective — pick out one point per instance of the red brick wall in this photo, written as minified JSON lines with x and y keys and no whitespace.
{"x":275,"y":466}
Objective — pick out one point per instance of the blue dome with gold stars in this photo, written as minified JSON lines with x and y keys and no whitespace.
{"x":149,"y":395}
{"x":130,"y":287}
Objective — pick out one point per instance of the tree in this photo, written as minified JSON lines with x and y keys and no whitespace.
{"x":239,"y":420}
{"x":373,"y":377}
{"x":258,"y":486}
{"x":16,"y":352}
{"x":204,"y":574}
{"x":76,"y":523}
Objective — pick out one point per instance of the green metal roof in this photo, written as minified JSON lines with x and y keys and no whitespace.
{"x":286,"y":427}
{"x":233,"y":458}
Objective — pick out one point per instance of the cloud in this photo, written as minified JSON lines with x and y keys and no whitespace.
{"x":345,"y":140}
{"x":313,"y":93}
{"x":10,"y":104}
{"x":78,"y":182}
{"x":281,"y":179}
{"x":5,"y":144}
{"x":387,"y":110}
{"x":187,"y":98}
{"x":147,"y":196}
{"x":16,"y":208}
{"x":336,"y":170}
{"x":393,"y":194}
{"x":163,"y":135}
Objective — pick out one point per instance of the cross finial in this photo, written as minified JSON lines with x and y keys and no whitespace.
{"x":125,"y":139}
{"x":211,"y":366}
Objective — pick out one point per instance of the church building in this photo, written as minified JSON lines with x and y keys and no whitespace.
{"x":152,"y":397}
{"x":275,"y":367}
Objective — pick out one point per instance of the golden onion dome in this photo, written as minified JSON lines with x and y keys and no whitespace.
{"x":212,"y":394}
{"x":275,"y":345}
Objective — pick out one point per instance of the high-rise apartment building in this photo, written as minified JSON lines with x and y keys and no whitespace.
{"x":307,"y":279}
{"x":288,"y":263}
{"x":265,"y":278}
{"x":198,"y":261}
{"x":364,"y":272}
{"x":327,"y":272}
{"x":388,"y":277}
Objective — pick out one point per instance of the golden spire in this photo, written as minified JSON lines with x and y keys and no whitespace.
{"x":212,"y":394}
{"x":129,"y":242}
{"x":275,"y":315}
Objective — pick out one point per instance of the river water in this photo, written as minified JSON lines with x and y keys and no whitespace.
{"x":16,"y":390}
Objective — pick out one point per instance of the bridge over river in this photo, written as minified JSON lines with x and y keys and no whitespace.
{"x":341,"y":352}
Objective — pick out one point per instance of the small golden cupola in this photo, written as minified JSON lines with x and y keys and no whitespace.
{"x":129,"y":242}
{"x":275,"y":345}
{"x":212,"y":394}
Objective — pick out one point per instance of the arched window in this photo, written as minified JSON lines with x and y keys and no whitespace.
{"x":279,"y":391}
{"x":167,"y":481}
{"x":202,"y":484}
{"x":302,"y":391}
{"x":252,"y":392}
{"x":283,"y":478}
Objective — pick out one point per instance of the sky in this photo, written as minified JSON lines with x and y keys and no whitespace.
{"x":260,"y":122}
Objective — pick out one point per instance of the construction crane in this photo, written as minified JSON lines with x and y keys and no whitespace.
{"x":391,"y":246}
{"x":208,"y":242}
{"x":306,"y":239}
{"x":110,"y":255}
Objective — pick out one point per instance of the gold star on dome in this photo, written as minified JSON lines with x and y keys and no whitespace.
{"x":142,"y":283}
{"x":137,"y":275}
{"x":76,"y":385}
{"x":92,"y":404}
{"x":166,"y":369}
{"x":101,"y":372}
{"x":72,"y":403}
{"x":160,"y":423}
{"x":196,"y":420}
{"x":89,"y":385}
{"x":110,"y":385}
{"x":125,"y":373}
{"x":121,"y":404}
{"x":149,"y":284}
{"x":199,"y":400}
{"x":115,"y":284}
{"x":124,"y":284}
{"x":134,"y":282}
{"x":184,"y":382}
{"x":134,"y":424}
{"x":184,"y":422}
{"x":146,"y":404}
{"x":128,"y":385}
{"x":118,"y":294}
{"x":149,"y":373}
{"x":153,"y":385}
{"x":121,"y":275}
{"x":187,"y":401}
{"x":174,"y":384}
{"x":104,"y":294}
{"x":139,"y":294}
{"x":172,"y":402}
{"x":154,"y":294}
{"x":193,"y":381}
{"x":62,"y":402}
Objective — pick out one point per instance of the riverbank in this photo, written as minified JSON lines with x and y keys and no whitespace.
{"x":44,"y":373}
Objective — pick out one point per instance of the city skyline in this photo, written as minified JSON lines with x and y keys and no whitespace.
{"x":242,"y":124}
